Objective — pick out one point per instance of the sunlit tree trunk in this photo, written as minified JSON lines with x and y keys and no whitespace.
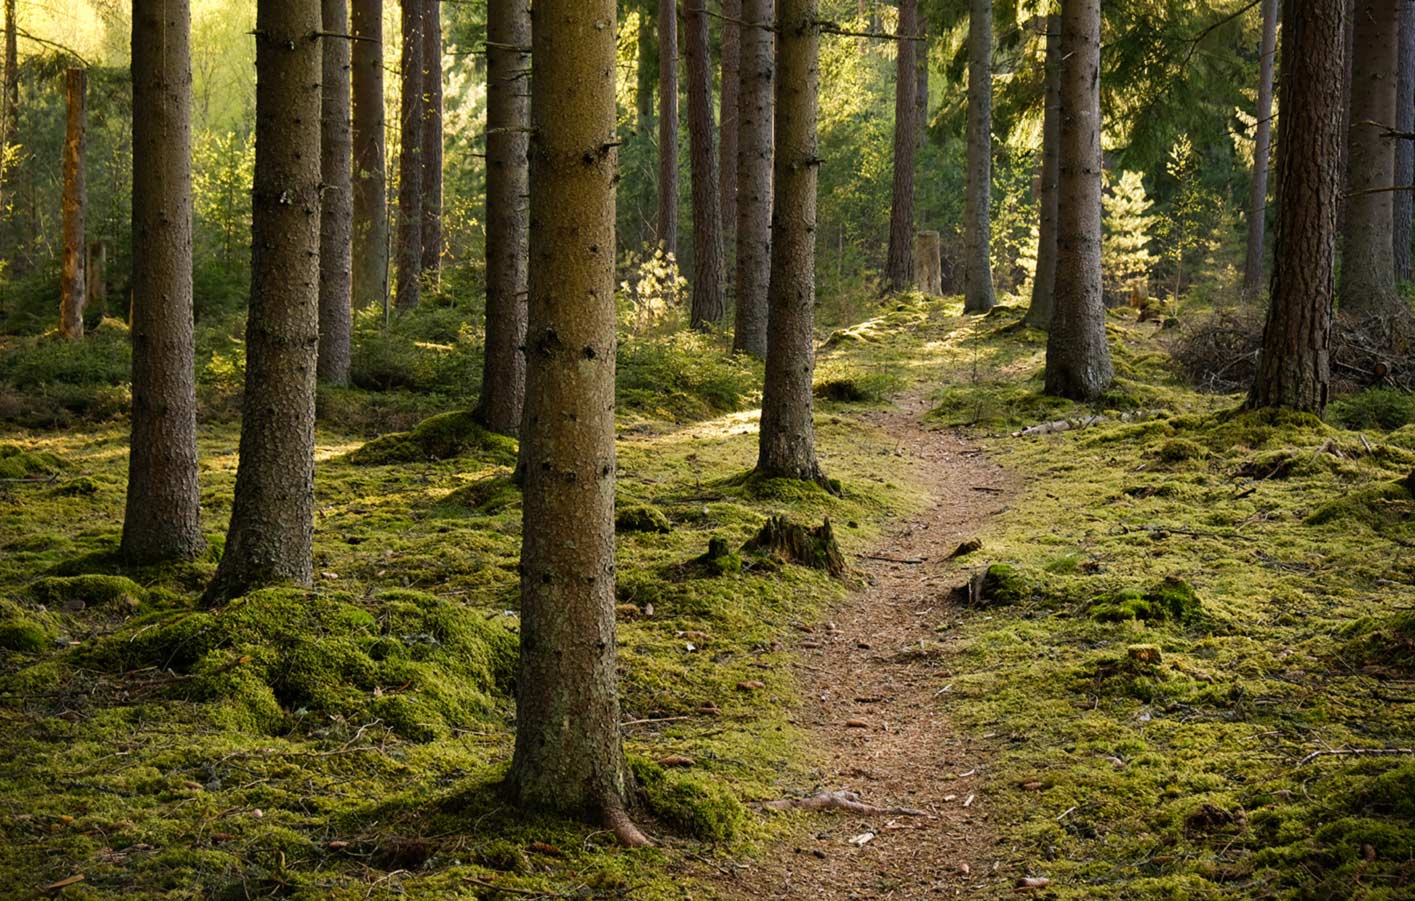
{"x":370,"y":254}
{"x":1044,"y":280}
{"x":410,"y":164}
{"x":9,"y":102}
{"x":432,"y":137}
{"x":646,"y":74}
{"x":336,"y":208}
{"x":977,"y":226}
{"x":757,"y":67}
{"x":1405,"y":150}
{"x":729,"y":122}
{"x":921,"y":98}
{"x":1258,"y":196}
{"x":668,"y":125}
{"x":708,"y":305}
{"x":72,"y":291}
{"x":900,"y":261}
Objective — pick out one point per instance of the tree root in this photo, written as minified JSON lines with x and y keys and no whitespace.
{"x":847,"y":801}
{"x":618,"y":822}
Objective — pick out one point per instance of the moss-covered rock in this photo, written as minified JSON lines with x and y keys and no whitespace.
{"x":1171,"y":600}
{"x":25,"y":631}
{"x":73,"y":593}
{"x":1180,"y":450}
{"x":485,"y":497}
{"x":443,"y":437}
{"x":634,"y":516}
{"x":1375,"y":506}
{"x":1387,"y":642}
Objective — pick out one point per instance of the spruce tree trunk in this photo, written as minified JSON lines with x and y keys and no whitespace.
{"x":336,"y":202}
{"x":432,"y":137}
{"x":9,"y":104}
{"x":272,"y":516}
{"x":1044,"y":280}
{"x":787,"y":447}
{"x":646,"y":74}
{"x":1404,"y":201}
{"x":1294,"y":366}
{"x":899,"y":268}
{"x":756,"y":67}
{"x":370,"y":254}
{"x":410,"y":153}
{"x":668,"y":125}
{"x":162,"y":519}
{"x":569,"y":755}
{"x":730,"y":120}
{"x":1367,"y":252}
{"x":71,"y":286}
{"x":921,"y":97}
{"x":708,"y":303}
{"x":1348,"y":26}
{"x":977,"y":226}
{"x":1258,"y":197}
{"x":1078,"y":358}
{"x":508,"y":121}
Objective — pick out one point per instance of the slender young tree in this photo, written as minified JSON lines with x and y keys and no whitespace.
{"x":336,"y":323}
{"x":754,"y":161}
{"x":1258,"y":197}
{"x":508,"y":121}
{"x":410,"y":153}
{"x":72,"y":290}
{"x":787,"y":446}
{"x":921,"y":93}
{"x":1078,"y":362}
{"x":668,"y":125}
{"x":432,"y":137}
{"x":569,"y":754}
{"x":708,"y":306}
{"x":1044,"y":281}
{"x":272,"y":516}
{"x":899,"y":271}
{"x":646,"y":74}
{"x":370,"y":253}
{"x":162,"y":519}
{"x":1404,"y":210}
{"x":729,"y":122}
{"x":977,"y":225}
{"x":1294,"y":367}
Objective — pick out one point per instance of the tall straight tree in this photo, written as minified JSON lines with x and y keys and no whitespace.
{"x":1367,"y":252}
{"x":1044,"y":281}
{"x":272,"y":517}
{"x":370,"y":254}
{"x":569,"y":754}
{"x":1078,"y":362}
{"x":410,"y":159}
{"x":787,"y":444}
{"x":336,"y":208}
{"x":72,"y":290}
{"x":921,"y":98}
{"x":1404,"y":210}
{"x":729,"y":122}
{"x":668,"y":125}
{"x":1294,"y":367}
{"x":756,"y":69}
{"x":432,"y":136}
{"x":508,"y":122}
{"x":899,"y":271}
{"x":1258,"y":196}
{"x":162,"y":518}
{"x":977,"y":216}
{"x":9,"y":99}
{"x":708,"y":306}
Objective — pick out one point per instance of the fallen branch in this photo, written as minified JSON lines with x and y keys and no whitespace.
{"x":1357,"y":752}
{"x":846,"y":801}
{"x":1067,"y":425}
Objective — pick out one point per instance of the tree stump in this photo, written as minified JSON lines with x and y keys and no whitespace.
{"x":793,"y":543}
{"x":928,"y":262}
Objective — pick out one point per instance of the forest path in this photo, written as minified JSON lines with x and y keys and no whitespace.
{"x":868,"y":666}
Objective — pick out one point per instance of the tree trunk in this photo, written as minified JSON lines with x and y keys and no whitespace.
{"x":668,"y":126}
{"x":71,"y":293}
{"x":1258,"y":198}
{"x":1348,"y":27}
{"x":646,"y":74}
{"x":410,"y":166}
{"x":708,"y":305}
{"x":1044,"y":280}
{"x":1294,"y":366}
{"x":730,"y":120}
{"x":900,"y":262}
{"x":977,"y":226}
{"x":370,"y":254}
{"x":96,"y":277}
{"x":162,"y":519}
{"x":1078,"y":358}
{"x":921,"y":97}
{"x":569,"y":756}
{"x":756,"y":68}
{"x":9,"y":103}
{"x":508,"y":120}
{"x":1404,"y":201}
{"x":787,"y":446}
{"x":336,"y":208}
{"x":432,"y":137}
{"x":1367,"y":252}
{"x":272,"y":516}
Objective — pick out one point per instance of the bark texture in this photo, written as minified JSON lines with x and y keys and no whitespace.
{"x":9,"y":100}
{"x":272,"y":516}
{"x":668,"y":125}
{"x":729,"y":121}
{"x":921,"y":96}
{"x":410,"y":165}
{"x":977,"y":226}
{"x":569,"y":755}
{"x":1078,"y":362}
{"x":1294,"y":366}
{"x":708,"y":304}
{"x":336,"y":323}
{"x":928,"y":263}
{"x":1044,"y":280}
{"x":71,"y":287}
{"x":432,"y":136}
{"x":162,"y":519}
{"x":757,"y":68}
{"x":900,"y":262}
{"x":1253,"y":262}
{"x":1367,"y":253}
{"x":1404,"y":201}
{"x":370,"y":254}
{"x":508,"y":120}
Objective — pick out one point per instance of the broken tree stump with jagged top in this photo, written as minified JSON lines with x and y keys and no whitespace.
{"x":794,"y":543}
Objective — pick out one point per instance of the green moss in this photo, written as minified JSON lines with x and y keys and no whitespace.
{"x":1376,"y":506}
{"x":634,"y":516}
{"x":486,"y":496}
{"x":116,"y":593}
{"x":1006,"y":584}
{"x":1180,"y":450}
{"x":25,"y":631}
{"x":18,"y":463}
{"x":703,"y":808}
{"x":1383,"y":642}
{"x":1375,"y":408}
{"x":443,"y":437}
{"x":1171,"y":600}
{"x":83,"y":486}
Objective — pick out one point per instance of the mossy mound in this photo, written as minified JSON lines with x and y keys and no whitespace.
{"x":83,"y":486}
{"x":1181,"y":450}
{"x":485,"y":497}
{"x":18,"y":463}
{"x":443,"y":437}
{"x":999,"y":585}
{"x":719,"y":560}
{"x":92,"y":592}
{"x":701,"y":807}
{"x":26,"y":631}
{"x":1385,"y":643}
{"x":1383,"y":409}
{"x":1376,"y":506}
{"x":755,"y":486}
{"x":850,"y":385}
{"x":1172,"y":600}
{"x":635,"y":516}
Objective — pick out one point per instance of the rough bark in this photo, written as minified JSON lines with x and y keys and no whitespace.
{"x":668,"y":125}
{"x":508,"y":119}
{"x":1348,"y":28}
{"x":1078,"y":362}
{"x":708,"y":306}
{"x":432,"y":137}
{"x":921,"y":92}
{"x":162,"y":519}
{"x":646,"y":73}
{"x":336,"y":202}
{"x":900,"y":262}
{"x":272,"y":516}
{"x":410,"y":166}
{"x":71,"y":286}
{"x":569,"y":755}
{"x":756,"y":68}
{"x":1044,"y":280}
{"x":1294,"y":366}
{"x":370,"y":254}
{"x":787,"y":444}
{"x":1367,"y":253}
{"x":1258,"y":196}
{"x":1404,"y":211}
{"x":96,"y":276}
{"x":9,"y":100}
{"x":730,"y":119}
{"x":928,"y":263}
{"x":977,"y":215}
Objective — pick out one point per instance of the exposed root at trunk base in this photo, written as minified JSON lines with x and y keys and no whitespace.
{"x":618,"y":822}
{"x":847,"y":801}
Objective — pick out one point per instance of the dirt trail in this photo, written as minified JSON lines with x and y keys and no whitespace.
{"x":871,"y":703}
